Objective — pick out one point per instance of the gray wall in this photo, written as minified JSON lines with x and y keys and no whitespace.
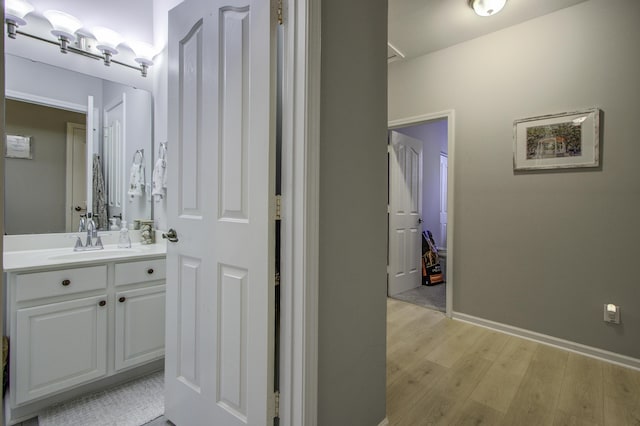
{"x":35,"y":189}
{"x":353,"y":222}
{"x":542,"y":251}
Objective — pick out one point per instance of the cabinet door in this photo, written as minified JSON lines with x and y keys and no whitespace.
{"x":60,"y":345}
{"x":139,"y":326}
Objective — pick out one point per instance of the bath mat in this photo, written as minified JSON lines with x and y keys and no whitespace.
{"x":130,"y":404}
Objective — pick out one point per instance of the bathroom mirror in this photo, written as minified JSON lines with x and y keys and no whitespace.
{"x":80,"y":128}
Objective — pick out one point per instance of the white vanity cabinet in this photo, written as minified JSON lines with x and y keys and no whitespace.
{"x":78,"y":324}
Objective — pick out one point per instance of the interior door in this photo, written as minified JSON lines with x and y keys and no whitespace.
{"x":220,"y":263}
{"x":405,"y":229}
{"x":76,"y":175}
{"x":444,"y":172}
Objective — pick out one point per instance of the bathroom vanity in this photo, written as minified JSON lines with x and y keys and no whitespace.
{"x":80,"y":321}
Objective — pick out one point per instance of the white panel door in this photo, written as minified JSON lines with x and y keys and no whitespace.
{"x":405,"y":230}
{"x":220,"y":265}
{"x":444,"y":171}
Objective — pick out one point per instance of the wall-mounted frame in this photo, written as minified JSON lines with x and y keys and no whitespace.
{"x":557,"y":141}
{"x":17,"y":146}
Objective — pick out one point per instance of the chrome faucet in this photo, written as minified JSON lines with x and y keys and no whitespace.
{"x":94,"y":242}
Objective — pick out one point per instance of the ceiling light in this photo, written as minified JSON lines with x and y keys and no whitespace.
{"x":64,"y":27}
{"x":15,"y":11}
{"x":487,"y":7}
{"x":144,"y":54}
{"x":107,"y":42}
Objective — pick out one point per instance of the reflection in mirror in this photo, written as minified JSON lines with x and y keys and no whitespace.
{"x":37,"y":188}
{"x":74,"y":119}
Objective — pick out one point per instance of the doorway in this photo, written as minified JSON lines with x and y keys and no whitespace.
{"x":433,"y":137}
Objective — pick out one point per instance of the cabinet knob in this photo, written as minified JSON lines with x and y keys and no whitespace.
{"x":66,"y":282}
{"x":150,"y":271}
{"x":102,"y":302}
{"x":122,"y":299}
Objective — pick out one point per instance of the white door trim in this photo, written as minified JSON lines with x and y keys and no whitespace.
{"x":300,"y":218}
{"x":450,"y":116}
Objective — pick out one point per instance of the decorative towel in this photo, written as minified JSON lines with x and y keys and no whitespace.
{"x":99,"y":195}
{"x":136,"y":176}
{"x":159,"y":178}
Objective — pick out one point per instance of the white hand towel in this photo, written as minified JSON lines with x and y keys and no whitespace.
{"x":159,"y":179}
{"x":136,"y":181}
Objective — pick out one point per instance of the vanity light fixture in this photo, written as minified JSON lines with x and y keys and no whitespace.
{"x":68,"y":29}
{"x":487,"y":7}
{"x":15,"y":11}
{"x":64,"y":27}
{"x":108,"y":41}
{"x":144,"y":54}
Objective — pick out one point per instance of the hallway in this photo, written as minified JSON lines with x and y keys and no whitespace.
{"x":446,"y":372}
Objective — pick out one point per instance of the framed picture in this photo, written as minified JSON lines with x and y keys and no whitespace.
{"x":18,"y":147}
{"x":557,"y":141}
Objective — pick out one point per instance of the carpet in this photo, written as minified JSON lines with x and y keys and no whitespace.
{"x":130,"y":404}
{"x":432,"y":297}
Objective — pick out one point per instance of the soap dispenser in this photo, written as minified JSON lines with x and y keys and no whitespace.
{"x":124,"y":241}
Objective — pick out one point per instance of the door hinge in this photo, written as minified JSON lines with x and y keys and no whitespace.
{"x":277,"y":279}
{"x":280,"y":20}
{"x":278,"y":207}
{"x":277,"y":403}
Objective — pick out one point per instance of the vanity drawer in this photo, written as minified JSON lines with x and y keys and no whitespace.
{"x":37,"y":285}
{"x":140,"y":271}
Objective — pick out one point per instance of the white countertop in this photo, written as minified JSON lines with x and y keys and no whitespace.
{"x":22,"y":260}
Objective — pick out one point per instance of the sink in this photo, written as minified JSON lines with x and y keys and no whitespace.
{"x":95,"y":254}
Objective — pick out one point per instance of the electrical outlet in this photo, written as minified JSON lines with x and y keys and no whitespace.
{"x":612,"y":313}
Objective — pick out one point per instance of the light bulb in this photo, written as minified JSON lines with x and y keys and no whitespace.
{"x":15,"y":11}
{"x":64,"y":27}
{"x":487,"y":7}
{"x":107,"y":42}
{"x":144,"y":54}
{"x":144,"y":51}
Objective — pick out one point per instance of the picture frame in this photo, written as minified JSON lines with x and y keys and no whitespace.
{"x":557,"y":141}
{"x":17,"y":146}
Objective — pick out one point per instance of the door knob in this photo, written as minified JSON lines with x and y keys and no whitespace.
{"x":419,"y":220}
{"x":78,"y":208}
{"x":171,"y":235}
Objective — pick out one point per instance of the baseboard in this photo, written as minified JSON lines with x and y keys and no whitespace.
{"x":568,"y":345}
{"x":385,"y":422}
